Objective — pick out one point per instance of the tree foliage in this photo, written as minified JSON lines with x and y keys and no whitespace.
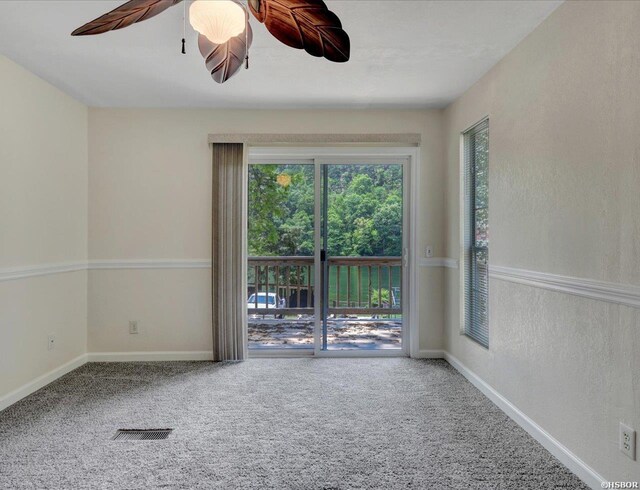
{"x":364,"y":210}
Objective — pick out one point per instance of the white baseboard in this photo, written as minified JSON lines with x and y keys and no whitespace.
{"x":150,"y":356}
{"x":429,"y":354}
{"x":587,"y":474}
{"x":41,"y":381}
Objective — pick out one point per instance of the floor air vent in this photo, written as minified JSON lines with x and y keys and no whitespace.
{"x":141,"y":435}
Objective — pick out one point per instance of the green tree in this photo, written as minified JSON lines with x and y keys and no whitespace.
{"x":364,"y":210}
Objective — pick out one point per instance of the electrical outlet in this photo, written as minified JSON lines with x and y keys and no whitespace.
{"x":51,"y":342}
{"x":628,"y":441}
{"x":429,"y":251}
{"x":133,"y":327}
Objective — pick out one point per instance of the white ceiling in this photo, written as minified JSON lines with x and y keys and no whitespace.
{"x":403,"y":54}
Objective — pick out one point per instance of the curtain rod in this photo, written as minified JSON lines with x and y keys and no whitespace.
{"x":264,"y":139}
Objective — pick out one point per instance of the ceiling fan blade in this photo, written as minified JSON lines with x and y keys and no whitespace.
{"x":304,"y":24}
{"x":125,"y":15}
{"x":224,"y":60}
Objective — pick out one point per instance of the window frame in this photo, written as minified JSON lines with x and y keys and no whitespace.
{"x":468,"y":245}
{"x":407,"y":155}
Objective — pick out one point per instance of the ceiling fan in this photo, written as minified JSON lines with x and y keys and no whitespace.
{"x":225,"y":34}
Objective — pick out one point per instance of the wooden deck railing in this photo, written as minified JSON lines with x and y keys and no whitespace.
{"x":357,"y":285}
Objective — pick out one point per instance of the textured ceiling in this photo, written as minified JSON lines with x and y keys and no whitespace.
{"x":404,"y":54}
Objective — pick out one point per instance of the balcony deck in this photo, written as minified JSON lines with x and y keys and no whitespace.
{"x":349,"y":334}
{"x":364,"y":311}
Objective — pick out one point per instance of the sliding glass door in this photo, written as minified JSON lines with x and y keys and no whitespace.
{"x":281,"y":267}
{"x":326,"y":253}
{"x":363,"y":245}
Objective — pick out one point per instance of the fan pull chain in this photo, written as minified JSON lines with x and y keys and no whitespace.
{"x":246,"y":38}
{"x":184,"y":28}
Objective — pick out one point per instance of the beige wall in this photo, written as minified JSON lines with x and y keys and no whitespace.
{"x":43,"y":221}
{"x":564,"y":111}
{"x":150,"y":198}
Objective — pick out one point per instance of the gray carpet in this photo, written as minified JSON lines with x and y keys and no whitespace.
{"x":283,"y":423}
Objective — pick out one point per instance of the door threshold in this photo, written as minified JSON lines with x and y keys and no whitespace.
{"x":348,"y":353}
{"x":266,"y":353}
{"x":328,"y":354}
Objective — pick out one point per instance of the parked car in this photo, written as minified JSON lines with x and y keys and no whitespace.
{"x":265,"y":300}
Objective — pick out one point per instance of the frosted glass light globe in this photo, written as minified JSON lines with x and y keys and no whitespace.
{"x":218,"y":20}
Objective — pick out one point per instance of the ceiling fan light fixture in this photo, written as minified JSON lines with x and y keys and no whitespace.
{"x":225,"y":33}
{"x":218,"y":20}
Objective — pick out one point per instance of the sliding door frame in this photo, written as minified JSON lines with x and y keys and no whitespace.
{"x":318,"y":156}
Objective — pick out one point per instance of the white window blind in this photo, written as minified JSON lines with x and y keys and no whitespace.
{"x":476,"y":233}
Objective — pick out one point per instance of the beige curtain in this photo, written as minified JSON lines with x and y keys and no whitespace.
{"x":229,"y":276}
